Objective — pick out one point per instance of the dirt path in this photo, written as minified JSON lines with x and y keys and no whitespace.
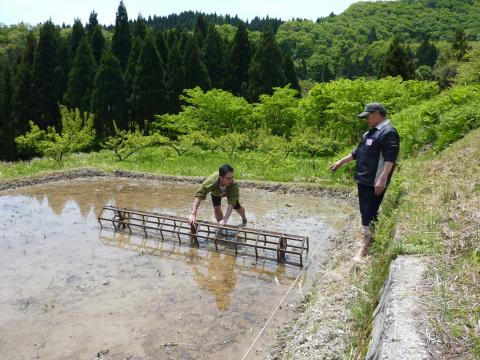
{"x":322,"y":328}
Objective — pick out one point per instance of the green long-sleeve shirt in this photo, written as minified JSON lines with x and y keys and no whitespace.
{"x":212,"y":185}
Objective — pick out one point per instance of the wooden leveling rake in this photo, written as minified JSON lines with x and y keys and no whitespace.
{"x":285,"y":248}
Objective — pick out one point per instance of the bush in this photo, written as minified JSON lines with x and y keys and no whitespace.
{"x":77,"y":134}
{"x":439,"y":121}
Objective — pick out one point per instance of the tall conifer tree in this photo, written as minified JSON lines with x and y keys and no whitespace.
{"x":175,"y":78}
{"x":95,"y":36}
{"x":427,"y":53}
{"x":196,"y":73}
{"x":290,"y":72}
{"x":460,"y":45}
{"x":62,"y":71}
{"x":140,"y":27}
{"x":81,"y":79}
{"x":130,"y":73}
{"x":78,"y":33}
{"x":200,"y":30}
{"x":239,"y":61}
{"x":162,"y":47}
{"x":122,"y":40}
{"x":92,"y":23}
{"x":266,"y":68}
{"x":23,"y":96}
{"x":109,"y":97}
{"x":97,"y":43}
{"x":397,"y":61}
{"x":7,"y":123}
{"x":149,"y":90}
{"x":45,"y":81}
{"x":213,"y":53}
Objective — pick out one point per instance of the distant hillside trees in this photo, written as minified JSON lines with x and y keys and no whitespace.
{"x":140,"y":68}
{"x":121,"y":40}
{"x":398,"y":61}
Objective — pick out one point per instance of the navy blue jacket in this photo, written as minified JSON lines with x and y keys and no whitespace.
{"x":379,"y":144}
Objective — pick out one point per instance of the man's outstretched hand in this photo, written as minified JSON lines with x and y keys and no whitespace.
{"x":192,"y":219}
{"x":334,"y":167}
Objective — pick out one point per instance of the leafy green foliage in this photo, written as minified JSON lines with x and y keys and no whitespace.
{"x":329,"y":48}
{"x":330,"y":109}
{"x":469,"y":69}
{"x":279,"y":111}
{"x":77,"y":134}
{"x":125,"y":143}
{"x":216,"y":112}
{"x":439,"y":121}
{"x":187,"y":142}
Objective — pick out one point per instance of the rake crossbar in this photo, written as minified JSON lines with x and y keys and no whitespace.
{"x":285,"y":248}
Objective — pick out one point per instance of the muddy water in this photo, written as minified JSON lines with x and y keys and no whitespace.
{"x":72,"y":291}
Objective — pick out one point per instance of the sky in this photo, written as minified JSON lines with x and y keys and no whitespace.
{"x":65,"y":11}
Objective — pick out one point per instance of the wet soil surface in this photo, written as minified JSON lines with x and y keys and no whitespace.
{"x":73,"y":291}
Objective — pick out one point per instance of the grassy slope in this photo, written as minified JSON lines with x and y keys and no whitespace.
{"x":434,"y":208}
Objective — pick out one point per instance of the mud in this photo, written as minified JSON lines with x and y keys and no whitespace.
{"x":72,"y":291}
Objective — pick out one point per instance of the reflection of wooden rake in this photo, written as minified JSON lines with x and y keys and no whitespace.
{"x":261,"y":243}
{"x":121,"y":219}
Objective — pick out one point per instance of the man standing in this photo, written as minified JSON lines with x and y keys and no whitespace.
{"x":375,"y":157}
{"x":220,"y":185}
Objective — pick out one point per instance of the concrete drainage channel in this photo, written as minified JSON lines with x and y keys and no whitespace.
{"x":397,"y":317}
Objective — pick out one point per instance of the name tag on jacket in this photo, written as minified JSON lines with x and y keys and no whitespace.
{"x":369,"y":142}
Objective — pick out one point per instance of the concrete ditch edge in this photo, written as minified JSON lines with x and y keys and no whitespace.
{"x":397,"y":317}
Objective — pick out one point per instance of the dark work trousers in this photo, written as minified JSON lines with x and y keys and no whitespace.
{"x":369,"y":203}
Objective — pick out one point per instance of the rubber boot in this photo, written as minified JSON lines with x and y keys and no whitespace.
{"x":368,"y":232}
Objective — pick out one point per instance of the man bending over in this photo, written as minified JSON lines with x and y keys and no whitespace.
{"x":220,"y":185}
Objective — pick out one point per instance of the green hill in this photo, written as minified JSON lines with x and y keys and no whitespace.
{"x":353,"y":43}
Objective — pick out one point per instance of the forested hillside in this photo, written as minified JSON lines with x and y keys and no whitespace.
{"x":355,"y":42}
{"x":135,"y":75}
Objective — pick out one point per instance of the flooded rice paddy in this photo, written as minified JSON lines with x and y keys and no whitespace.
{"x":70,"y":290}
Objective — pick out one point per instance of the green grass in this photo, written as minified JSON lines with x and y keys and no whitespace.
{"x":248,"y":166}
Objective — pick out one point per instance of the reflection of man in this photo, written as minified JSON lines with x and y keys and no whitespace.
{"x":375,"y":156}
{"x":220,"y":185}
{"x":220,"y":278}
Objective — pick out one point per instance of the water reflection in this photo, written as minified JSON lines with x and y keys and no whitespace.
{"x":214,"y":272}
{"x":220,"y":277}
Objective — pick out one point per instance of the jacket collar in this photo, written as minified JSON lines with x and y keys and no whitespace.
{"x":382,"y":124}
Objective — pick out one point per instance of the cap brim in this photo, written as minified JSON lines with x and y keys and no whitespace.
{"x":363,"y":114}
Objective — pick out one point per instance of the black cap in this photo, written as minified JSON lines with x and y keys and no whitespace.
{"x":373,"y":107}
